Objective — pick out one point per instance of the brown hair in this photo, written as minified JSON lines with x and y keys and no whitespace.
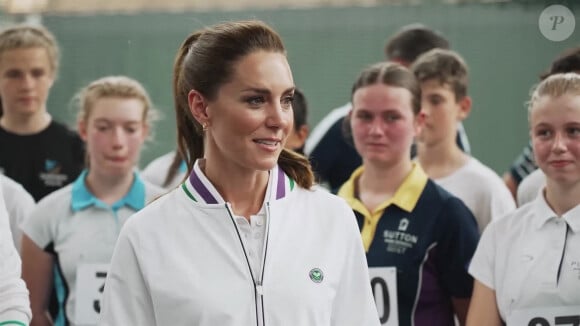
{"x":445,"y":66}
{"x":411,"y":41}
{"x":391,"y":74}
{"x":173,"y":168}
{"x":204,"y":62}
{"x":567,"y":61}
{"x":387,"y":73}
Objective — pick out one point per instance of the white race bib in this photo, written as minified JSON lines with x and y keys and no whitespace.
{"x":89,"y":291}
{"x":384,"y":286}
{"x":545,"y":316}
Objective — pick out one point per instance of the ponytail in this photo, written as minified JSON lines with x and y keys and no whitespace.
{"x":296,"y":167}
{"x":173,"y":168}
{"x":189,"y":132}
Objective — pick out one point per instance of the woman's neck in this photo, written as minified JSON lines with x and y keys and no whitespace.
{"x":109,"y":189}
{"x":25,"y":124}
{"x":244,"y":189}
{"x":379,"y":183}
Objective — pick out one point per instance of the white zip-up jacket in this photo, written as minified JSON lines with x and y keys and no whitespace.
{"x":181,"y":261}
{"x":14,"y":303}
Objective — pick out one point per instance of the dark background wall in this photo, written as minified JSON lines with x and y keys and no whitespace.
{"x":326,"y":48}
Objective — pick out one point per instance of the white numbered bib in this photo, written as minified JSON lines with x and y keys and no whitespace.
{"x":89,"y":291}
{"x":384,"y":286}
{"x":550,"y":316}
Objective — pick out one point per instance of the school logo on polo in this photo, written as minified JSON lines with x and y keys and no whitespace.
{"x":316,"y":275}
{"x":403,"y":224}
{"x":52,"y":176}
{"x":399,"y":241}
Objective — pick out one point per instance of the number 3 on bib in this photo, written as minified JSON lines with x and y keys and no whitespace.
{"x":384,"y":286}
{"x":89,"y":291}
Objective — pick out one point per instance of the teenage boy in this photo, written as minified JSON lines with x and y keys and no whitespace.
{"x":442,"y":75}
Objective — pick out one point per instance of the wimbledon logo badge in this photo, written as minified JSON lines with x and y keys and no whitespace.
{"x":316,"y":275}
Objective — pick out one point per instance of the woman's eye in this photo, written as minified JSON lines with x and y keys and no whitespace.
{"x":543,"y":133}
{"x":287,"y":101}
{"x":364,"y":116}
{"x":255,"y":100}
{"x":574,"y":131}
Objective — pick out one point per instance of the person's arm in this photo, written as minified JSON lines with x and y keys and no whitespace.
{"x":460,"y":307}
{"x":126,"y":299}
{"x":14,"y":302}
{"x":354,"y":303}
{"x":37,"y":273}
{"x":483,"y":310}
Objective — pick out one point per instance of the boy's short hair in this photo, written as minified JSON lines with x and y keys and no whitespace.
{"x":409,"y":42}
{"x":445,"y":66}
{"x":567,"y":61}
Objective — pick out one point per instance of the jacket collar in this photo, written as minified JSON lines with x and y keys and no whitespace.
{"x":201,"y":190}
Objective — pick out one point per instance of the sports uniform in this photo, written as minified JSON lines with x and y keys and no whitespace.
{"x":19,"y":204}
{"x":531,"y":258}
{"x":188,"y":260}
{"x":81,"y":231}
{"x":489,"y":200}
{"x":14,"y":302}
{"x":156,"y":171}
{"x":42,"y":162}
{"x":429,"y":236}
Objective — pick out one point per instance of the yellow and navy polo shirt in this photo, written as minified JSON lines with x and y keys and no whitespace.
{"x":429,"y":236}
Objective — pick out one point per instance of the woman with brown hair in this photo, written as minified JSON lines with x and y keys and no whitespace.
{"x":245,"y":240}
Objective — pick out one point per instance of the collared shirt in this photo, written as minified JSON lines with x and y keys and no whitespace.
{"x":181,"y":261}
{"x":531,"y":258}
{"x":200,"y":189}
{"x":405,"y":197}
{"x":429,"y":236}
{"x":79,"y":229}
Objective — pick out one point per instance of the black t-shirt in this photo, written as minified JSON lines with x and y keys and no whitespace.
{"x":42,"y":162}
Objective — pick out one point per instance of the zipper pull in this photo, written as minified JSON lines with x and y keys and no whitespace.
{"x":259,"y":289}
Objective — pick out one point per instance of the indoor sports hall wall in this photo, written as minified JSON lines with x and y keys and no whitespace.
{"x":326,"y":48}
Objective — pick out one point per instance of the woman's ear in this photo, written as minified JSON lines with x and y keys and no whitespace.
{"x":82,"y":128}
{"x":198,"y":107}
